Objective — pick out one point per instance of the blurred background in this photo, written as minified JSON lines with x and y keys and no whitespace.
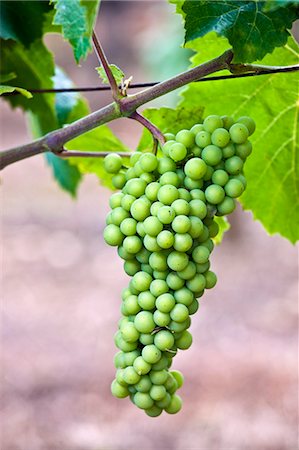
{"x":61,"y":288}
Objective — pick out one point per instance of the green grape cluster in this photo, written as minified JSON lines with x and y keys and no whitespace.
{"x":163,"y":223}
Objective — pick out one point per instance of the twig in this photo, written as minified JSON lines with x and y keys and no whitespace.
{"x":156,"y":133}
{"x":274,"y":70}
{"x":103,"y":60}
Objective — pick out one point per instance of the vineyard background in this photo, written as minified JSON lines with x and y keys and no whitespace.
{"x":62,"y":285}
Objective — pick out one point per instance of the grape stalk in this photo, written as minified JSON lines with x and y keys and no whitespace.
{"x":163,"y":221}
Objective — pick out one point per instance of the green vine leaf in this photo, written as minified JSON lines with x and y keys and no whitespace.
{"x":272,"y":170}
{"x":4,"y":89}
{"x":116,"y":72}
{"x":251,"y":31}
{"x":270,"y":5}
{"x":76,"y":18}
{"x":23,"y":21}
{"x":34,"y":68}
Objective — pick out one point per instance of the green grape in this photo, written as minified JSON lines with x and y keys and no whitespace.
{"x":238,"y":133}
{"x":148,"y":162}
{"x":214,"y":194}
{"x":118,"y":390}
{"x":248,"y":122}
{"x":150,"y":243}
{"x":200,"y":254}
{"x":202,"y":139}
{"x":169,"y":136}
{"x":211,"y":155}
{"x":165,"y":302}
{"x":198,"y":209}
{"x":134,"y":158}
{"x":151,"y":191}
{"x":131,"y":305}
{"x":131,"y":356}
{"x":146,"y":300}
{"x":119,"y":360}
{"x":158,"y":287}
{"x":193,"y":308}
{"x":144,"y":384}
{"x":152,"y":226}
{"x":143,"y":256}
{"x":140,"y":366}
{"x":119,"y":180}
{"x":147,"y":268}
{"x":184,"y":296}
{"x":144,"y":322}
{"x":131,"y":267}
{"x":169,"y":178}
{"x":220,"y":177}
{"x":184,"y":194}
{"x":227,"y":122}
{"x":115,"y":200}
{"x":197,"y":283}
{"x":181,"y":224}
{"x":164,"y":340}
{"x":141,"y":281}
{"x":112,"y":235}
{"x":220,"y":137}
{"x":166,"y":164}
{"x":185,"y":137}
{"x":179,"y":313}
{"x":177,"y":327}
{"x":185,"y":341}
{"x":179,"y":377}
{"x":228,"y":151}
{"x":182,"y":242}
{"x":127,"y":201}
{"x":164,"y":402}
{"x":175,"y":405}
{"x":227,"y":206}
{"x":158,"y":261}
{"x":162,"y":364}
{"x":177,"y":151}
{"x":140,"y":209}
{"x":161,"y":319}
{"x":113,"y":163}
{"x":128,"y":226}
{"x":188,"y":272}
{"x":136,"y":187}
{"x":211,"y":123}
{"x":197,"y":194}
{"x":234,"y":188}
{"x":243,"y":150}
{"x":190,"y":184}
{"x":234,"y":165}
{"x":211,"y":279}
{"x":158,"y":377}
{"x":195,"y":168}
{"x":148,"y":177}
{"x":167,"y":194}
{"x":165,"y":239}
{"x":118,"y":215}
{"x":143,"y":400}
{"x":177,"y":261}
{"x":158,"y":392}
{"x":140,"y":229}
{"x":197,"y":128}
{"x":132,"y":244}
{"x":166,"y":214}
{"x":130,"y":376}
{"x":154,"y":411}
{"x":146,"y":338}
{"x":196,"y":227}
{"x":174,"y":281}
{"x":151,"y":354}
{"x":129,"y":332}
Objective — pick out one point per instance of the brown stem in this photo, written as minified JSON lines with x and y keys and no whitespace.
{"x":156,"y":133}
{"x":103,"y":60}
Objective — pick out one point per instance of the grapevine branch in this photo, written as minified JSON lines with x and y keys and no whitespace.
{"x":103,"y":60}
{"x":124,"y":107}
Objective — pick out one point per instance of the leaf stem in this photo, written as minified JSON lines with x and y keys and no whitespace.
{"x":103,"y":60}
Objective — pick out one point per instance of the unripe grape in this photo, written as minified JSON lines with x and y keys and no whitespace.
{"x":234,"y":188}
{"x":220,"y":137}
{"x":248,"y":122}
{"x":203,"y":138}
{"x":195,"y":168}
{"x":214,"y":194}
{"x":238,"y":133}
{"x":177,"y":152}
{"x":185,"y":137}
{"x":211,"y":155}
{"x":211,"y":123}
{"x":113,"y":163}
{"x":148,"y":162}
{"x":197,"y":128}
